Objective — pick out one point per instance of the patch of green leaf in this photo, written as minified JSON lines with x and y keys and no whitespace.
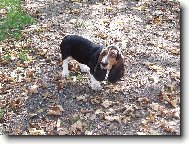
{"x":15,"y":21}
{"x":6,"y":57}
{"x":23,"y":55}
{"x":10,"y":3}
{"x":1,"y":113}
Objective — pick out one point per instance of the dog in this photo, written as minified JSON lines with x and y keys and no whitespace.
{"x":99,"y":61}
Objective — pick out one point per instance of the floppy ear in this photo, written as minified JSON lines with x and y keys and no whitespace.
{"x":95,"y":68}
{"x":117,"y":70}
{"x":99,"y":73}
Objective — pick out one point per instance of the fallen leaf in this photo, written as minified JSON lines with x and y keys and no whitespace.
{"x":74,"y":11}
{"x":157,"y":20}
{"x":143,"y":7}
{"x":175,"y":75}
{"x":141,"y":133}
{"x":63,"y":131}
{"x":155,"y":67}
{"x":150,"y":118}
{"x":33,"y":89}
{"x":75,"y":0}
{"x":34,"y":131}
{"x":154,"y":79}
{"x":102,"y":35}
{"x":79,"y":98}
{"x":58,"y":124}
{"x":99,"y":111}
{"x":154,"y":106}
{"x":88,"y":132}
{"x":174,"y":50}
{"x":109,"y":9}
{"x":106,"y":103}
{"x":55,"y":110}
{"x":29,"y":73}
{"x":92,"y":117}
{"x":42,"y":52}
{"x":96,"y":100}
{"x":3,"y":103}
{"x":173,"y":103}
{"x":17,"y":103}
{"x":77,"y":126}
{"x":113,"y":118}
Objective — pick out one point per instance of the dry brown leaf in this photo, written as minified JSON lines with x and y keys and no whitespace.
{"x":174,"y":50}
{"x":176,"y":112}
{"x":116,"y":89}
{"x":75,"y":11}
{"x":143,"y":7}
{"x":173,"y":103}
{"x":96,"y":100}
{"x":58,"y":123}
{"x":106,"y":103}
{"x":42,"y":52}
{"x":33,"y":89}
{"x":79,"y":98}
{"x":28,"y":80}
{"x":13,"y":56}
{"x":77,"y":126}
{"x":155,"y":67}
{"x":34,"y":131}
{"x":150,"y":118}
{"x":175,"y":75}
{"x":60,"y":85}
{"x":154,"y":79}
{"x":17,"y":103}
{"x":109,"y":9}
{"x":3,"y":103}
{"x":154,"y":106}
{"x":167,"y":98}
{"x":125,"y":120}
{"x":102,"y":35}
{"x":44,"y":84}
{"x":157,"y":20}
{"x":29,"y":73}
{"x":141,"y":133}
{"x":88,"y":132}
{"x":75,"y":0}
{"x":63,"y":131}
{"x":55,"y":110}
{"x":144,"y":121}
{"x":113,"y":118}
{"x":92,"y":117}
{"x":99,"y":111}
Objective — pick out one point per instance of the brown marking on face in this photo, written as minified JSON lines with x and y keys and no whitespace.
{"x":110,"y":56}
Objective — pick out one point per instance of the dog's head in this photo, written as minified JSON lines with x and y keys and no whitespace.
{"x":111,"y":59}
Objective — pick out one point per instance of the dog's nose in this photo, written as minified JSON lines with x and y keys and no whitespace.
{"x":104,"y":64}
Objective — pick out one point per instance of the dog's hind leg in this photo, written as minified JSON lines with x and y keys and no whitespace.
{"x":65,"y":72}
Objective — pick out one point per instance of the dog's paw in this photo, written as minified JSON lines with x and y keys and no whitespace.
{"x":65,"y":73}
{"x":84,"y":68}
{"x":96,"y":86}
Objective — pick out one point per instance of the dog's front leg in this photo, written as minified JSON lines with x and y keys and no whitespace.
{"x":65,"y":72}
{"x":95,"y":85}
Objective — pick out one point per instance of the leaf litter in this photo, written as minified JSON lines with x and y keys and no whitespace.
{"x":36,"y":100}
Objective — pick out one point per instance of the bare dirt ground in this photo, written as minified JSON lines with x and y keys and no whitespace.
{"x":37,"y":100}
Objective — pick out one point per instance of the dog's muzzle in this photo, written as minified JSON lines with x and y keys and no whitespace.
{"x":104,"y":63}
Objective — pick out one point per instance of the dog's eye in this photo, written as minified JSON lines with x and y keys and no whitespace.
{"x":113,"y":55}
{"x":103,"y":54}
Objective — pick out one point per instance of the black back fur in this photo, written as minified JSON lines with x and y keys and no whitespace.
{"x":85,"y":52}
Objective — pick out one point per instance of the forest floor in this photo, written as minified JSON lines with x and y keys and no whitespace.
{"x":35,"y":99}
